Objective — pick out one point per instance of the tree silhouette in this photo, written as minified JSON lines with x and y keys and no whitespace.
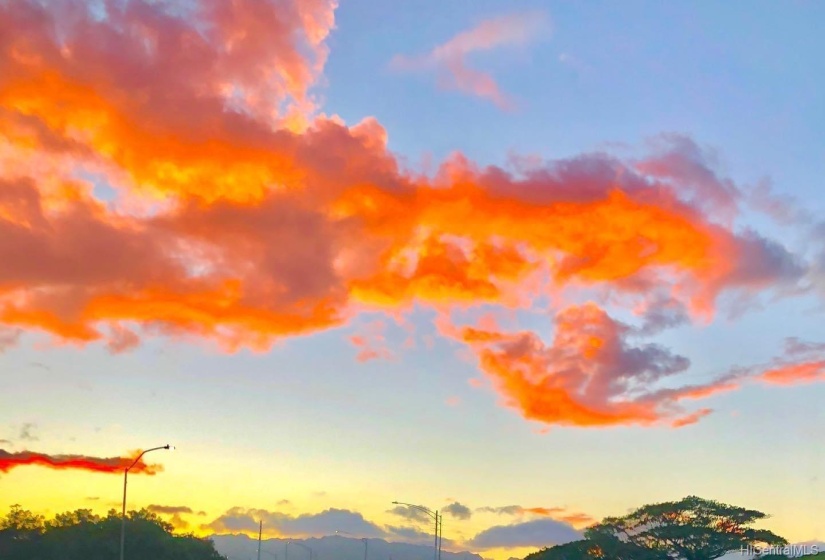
{"x":83,"y":535}
{"x":690,"y":529}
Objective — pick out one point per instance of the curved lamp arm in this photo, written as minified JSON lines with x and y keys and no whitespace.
{"x":428,"y":511}
{"x":139,"y":457}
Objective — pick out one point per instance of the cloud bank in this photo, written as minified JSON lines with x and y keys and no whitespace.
{"x":536,"y":533}
{"x":165,"y":172}
{"x":327,"y":522}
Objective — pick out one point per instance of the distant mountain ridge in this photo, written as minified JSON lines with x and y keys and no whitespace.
{"x":242,"y":547}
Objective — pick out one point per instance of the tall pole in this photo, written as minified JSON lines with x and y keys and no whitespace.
{"x":260,"y":532}
{"x":434,"y":515}
{"x":123,"y":511}
{"x":440,"y":533}
{"x":123,"y":516}
{"x":435,"y":546}
{"x":365,"y":548}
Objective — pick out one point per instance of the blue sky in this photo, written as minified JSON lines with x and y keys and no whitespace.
{"x":742,"y":81}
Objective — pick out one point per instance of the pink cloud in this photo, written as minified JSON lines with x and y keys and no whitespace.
{"x":449,"y":59}
{"x":371,"y":342}
{"x":794,"y":373}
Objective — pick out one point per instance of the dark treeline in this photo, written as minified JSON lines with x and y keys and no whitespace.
{"x":82,"y":535}
{"x":690,"y":529}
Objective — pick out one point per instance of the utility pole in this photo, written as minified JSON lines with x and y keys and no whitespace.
{"x":440,"y":533}
{"x":260,"y":532}
{"x":436,"y":535}
{"x":434,"y":515}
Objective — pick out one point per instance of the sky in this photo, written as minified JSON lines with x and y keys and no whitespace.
{"x":530,"y":264}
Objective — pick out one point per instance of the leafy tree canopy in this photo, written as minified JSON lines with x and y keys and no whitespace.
{"x":22,"y":522}
{"x":84,"y":535}
{"x":690,"y":529}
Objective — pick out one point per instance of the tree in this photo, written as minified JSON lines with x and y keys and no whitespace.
{"x":588,"y":549}
{"x":577,"y":550}
{"x":22,"y":521}
{"x":70,"y":519}
{"x":83,"y":535}
{"x":690,"y":529}
{"x":20,"y":533}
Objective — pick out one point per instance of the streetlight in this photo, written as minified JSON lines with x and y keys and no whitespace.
{"x":125,"y":476}
{"x":366,"y":541}
{"x":438,"y":524}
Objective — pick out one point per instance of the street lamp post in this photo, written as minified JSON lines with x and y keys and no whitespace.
{"x":439,"y":518}
{"x":438,"y":521}
{"x":125,"y":476}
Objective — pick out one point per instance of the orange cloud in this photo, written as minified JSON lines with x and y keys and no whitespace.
{"x":240,"y":217}
{"x":255,"y":231}
{"x":578,"y":519}
{"x":184,"y":100}
{"x":559,"y":513}
{"x":791,"y":374}
{"x":450,"y":58}
{"x":542,"y":510}
{"x":10,"y":461}
{"x":691,"y":418}
{"x":801,"y":362}
{"x":589,"y":376}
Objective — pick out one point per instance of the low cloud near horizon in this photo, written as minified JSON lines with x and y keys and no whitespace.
{"x":169,"y":509}
{"x":535,"y":533}
{"x":457,"y":510}
{"x":543,"y":531}
{"x":327,"y":522}
{"x":410,"y":513}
